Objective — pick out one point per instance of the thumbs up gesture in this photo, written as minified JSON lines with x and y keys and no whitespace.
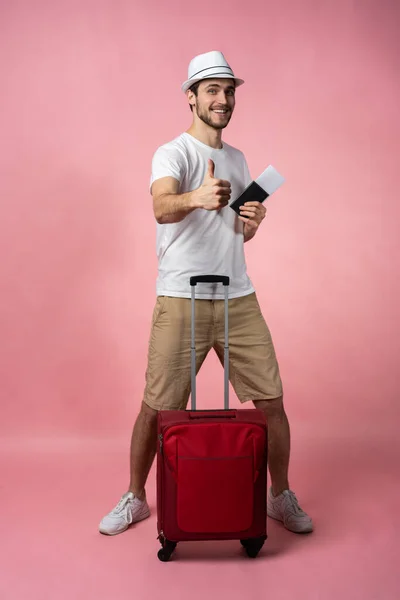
{"x":214,"y":193}
{"x":210,"y":168}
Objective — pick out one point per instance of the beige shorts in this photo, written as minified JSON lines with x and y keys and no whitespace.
{"x":253,"y":367}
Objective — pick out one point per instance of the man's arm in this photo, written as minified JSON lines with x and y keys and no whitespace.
{"x":168,"y":205}
{"x":248,"y":234}
{"x":171,"y":207}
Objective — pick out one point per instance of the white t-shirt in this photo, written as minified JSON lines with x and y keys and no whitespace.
{"x":204,"y":242}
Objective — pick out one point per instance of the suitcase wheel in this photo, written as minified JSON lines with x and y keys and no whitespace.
{"x":253,"y":546}
{"x":166,"y":551}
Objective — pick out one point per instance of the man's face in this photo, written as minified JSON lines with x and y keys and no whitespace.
{"x":215,"y":102}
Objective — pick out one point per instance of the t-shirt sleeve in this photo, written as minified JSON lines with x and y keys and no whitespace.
{"x":167,"y":162}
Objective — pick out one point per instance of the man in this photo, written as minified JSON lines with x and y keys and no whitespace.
{"x":193,"y":178}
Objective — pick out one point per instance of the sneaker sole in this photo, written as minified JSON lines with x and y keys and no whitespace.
{"x":309,"y":528}
{"x":145,"y":516}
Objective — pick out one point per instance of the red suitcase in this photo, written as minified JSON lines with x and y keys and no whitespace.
{"x":211,"y":467}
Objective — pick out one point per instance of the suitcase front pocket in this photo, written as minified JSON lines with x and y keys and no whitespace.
{"x":215,"y":495}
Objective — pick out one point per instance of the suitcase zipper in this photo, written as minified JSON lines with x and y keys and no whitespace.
{"x":161,"y":536}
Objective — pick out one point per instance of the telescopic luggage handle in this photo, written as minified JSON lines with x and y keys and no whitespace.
{"x":224,"y":279}
{"x":194,"y":280}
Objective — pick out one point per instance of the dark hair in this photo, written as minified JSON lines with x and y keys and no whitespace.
{"x":194,"y":88}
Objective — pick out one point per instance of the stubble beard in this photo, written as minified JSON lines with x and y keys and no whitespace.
{"x":207,"y":118}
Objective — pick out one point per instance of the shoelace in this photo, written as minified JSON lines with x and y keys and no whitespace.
{"x":124,"y":506}
{"x":291,"y":496}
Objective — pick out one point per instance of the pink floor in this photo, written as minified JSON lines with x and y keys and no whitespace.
{"x":53,"y":495}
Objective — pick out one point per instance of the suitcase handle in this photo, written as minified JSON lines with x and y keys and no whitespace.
{"x":224,"y":279}
{"x":218,"y":414}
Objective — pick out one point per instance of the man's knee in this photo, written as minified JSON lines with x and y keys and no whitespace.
{"x":271,"y":408}
{"x":148,"y":412}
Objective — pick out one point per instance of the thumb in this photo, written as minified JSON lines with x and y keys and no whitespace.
{"x":211,"y":167}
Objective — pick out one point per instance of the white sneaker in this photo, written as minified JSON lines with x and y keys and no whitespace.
{"x":129,"y":510}
{"x":285,"y":508}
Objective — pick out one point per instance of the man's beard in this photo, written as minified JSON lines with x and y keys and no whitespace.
{"x":207,"y":119}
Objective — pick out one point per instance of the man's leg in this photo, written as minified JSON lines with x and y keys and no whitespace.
{"x":143,"y":449}
{"x":282,"y":503}
{"x":133,"y":506}
{"x":167,"y":388}
{"x":278,"y":442}
{"x":254,"y":373}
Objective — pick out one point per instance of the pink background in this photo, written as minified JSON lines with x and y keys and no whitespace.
{"x":89,"y":90}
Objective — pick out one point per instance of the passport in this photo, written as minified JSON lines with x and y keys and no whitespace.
{"x":260,"y":189}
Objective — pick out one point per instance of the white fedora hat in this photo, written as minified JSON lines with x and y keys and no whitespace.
{"x":209,"y":65}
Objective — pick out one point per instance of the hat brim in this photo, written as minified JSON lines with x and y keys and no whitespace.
{"x":185,"y":86}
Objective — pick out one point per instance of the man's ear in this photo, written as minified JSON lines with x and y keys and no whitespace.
{"x":191,"y":97}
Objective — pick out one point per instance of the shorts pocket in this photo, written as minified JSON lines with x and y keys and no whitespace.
{"x":159,"y":308}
